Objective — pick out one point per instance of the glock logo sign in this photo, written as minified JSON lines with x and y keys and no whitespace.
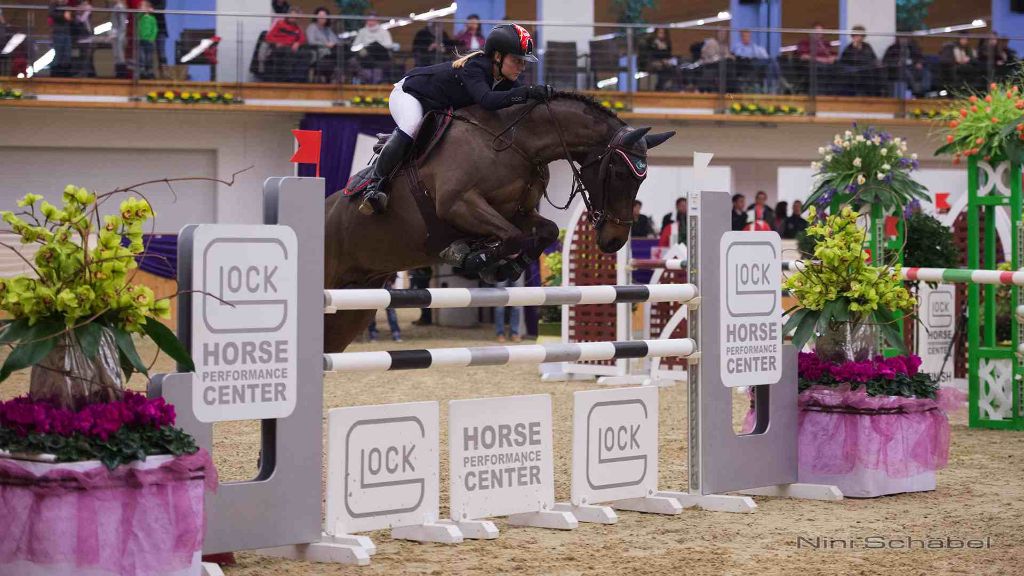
{"x":935,"y":341}
{"x":751,"y":311}
{"x":243,"y":321}
{"x":614,"y":444}
{"x":382,"y":464}
{"x":940,"y":309}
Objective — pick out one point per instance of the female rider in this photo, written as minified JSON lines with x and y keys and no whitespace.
{"x":488,"y":78}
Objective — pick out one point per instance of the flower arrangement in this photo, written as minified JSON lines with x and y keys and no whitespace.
{"x":839,"y":287}
{"x":10,"y":93}
{"x":186,"y":97}
{"x":81,"y":304}
{"x":754,"y":109}
{"x":986,"y":125}
{"x":371,"y":102}
{"x":617,"y":105}
{"x":896,"y":376}
{"x":930,"y":114}
{"x":116,"y":432}
{"x":870,"y":166}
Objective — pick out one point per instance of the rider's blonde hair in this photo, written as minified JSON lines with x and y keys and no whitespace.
{"x":463,"y":59}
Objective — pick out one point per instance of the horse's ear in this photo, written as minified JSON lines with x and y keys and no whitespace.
{"x":656,"y":139}
{"x":634,"y":136}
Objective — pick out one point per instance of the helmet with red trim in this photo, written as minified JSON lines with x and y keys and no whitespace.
{"x":510,"y":39}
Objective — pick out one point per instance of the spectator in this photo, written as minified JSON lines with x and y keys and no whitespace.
{"x":81,"y":36}
{"x":161,"y":35}
{"x":676,"y":221}
{"x":471,"y":38}
{"x":396,"y":331}
{"x":795,"y":223}
{"x":322,"y":38}
{"x":739,"y":213}
{"x":119,"y":21}
{"x":858,"y":65}
{"x":748,"y":49}
{"x":146,"y":30}
{"x":514,"y":315}
{"x":714,"y":49}
{"x":781,"y":214}
{"x":280,"y":6}
{"x":374,"y":46}
{"x":60,"y":21}
{"x":657,"y":59}
{"x":905,"y":66}
{"x":425,"y":47}
{"x":817,"y":46}
{"x":286,"y":33}
{"x":642,"y":226}
{"x":993,"y":55}
{"x":760,"y":210}
{"x":419,"y":279}
{"x":957,"y":61}
{"x":290,"y":61}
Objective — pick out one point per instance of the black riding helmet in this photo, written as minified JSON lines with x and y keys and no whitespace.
{"x":510,"y":39}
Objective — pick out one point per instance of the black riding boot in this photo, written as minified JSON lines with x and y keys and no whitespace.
{"x":375,"y":199}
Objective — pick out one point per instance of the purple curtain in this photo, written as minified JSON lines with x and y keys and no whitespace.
{"x":160,"y":256}
{"x":338,"y":143}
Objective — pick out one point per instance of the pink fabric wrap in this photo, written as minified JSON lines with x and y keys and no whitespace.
{"x":843,"y":429}
{"x":131,"y":521}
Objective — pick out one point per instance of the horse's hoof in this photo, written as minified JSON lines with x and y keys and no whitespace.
{"x":509,"y":271}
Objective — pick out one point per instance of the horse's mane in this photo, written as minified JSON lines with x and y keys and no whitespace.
{"x":590,"y":101}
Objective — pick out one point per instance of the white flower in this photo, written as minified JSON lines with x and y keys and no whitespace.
{"x":846,"y":144}
{"x":880,"y":176}
{"x":848,"y":134}
{"x":886,"y":167}
{"x":857,"y":162}
{"x":897,"y":140}
{"x":860,"y":138}
{"x":837,"y":141}
{"x":815,"y":166}
{"x":877,"y":140}
{"x":821,"y":150}
{"x":903,"y":146}
{"x":884,"y":151}
{"x":861,"y":179}
{"x":828,"y":158}
{"x":913,"y":156}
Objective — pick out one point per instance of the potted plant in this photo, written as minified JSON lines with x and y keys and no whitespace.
{"x":868,"y":424}
{"x":550,"y":323}
{"x":80,"y":453}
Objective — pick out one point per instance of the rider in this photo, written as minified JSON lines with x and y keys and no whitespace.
{"x":488,"y":78}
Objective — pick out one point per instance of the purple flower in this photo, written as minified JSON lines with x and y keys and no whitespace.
{"x":100,"y":420}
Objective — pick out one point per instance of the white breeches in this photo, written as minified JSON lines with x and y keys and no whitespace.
{"x":406,"y":110}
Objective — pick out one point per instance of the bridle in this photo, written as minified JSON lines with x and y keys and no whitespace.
{"x":596,"y":203}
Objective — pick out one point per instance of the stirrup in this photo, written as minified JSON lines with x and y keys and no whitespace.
{"x":373,"y":202}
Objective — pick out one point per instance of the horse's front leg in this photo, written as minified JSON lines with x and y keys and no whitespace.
{"x":472,"y":213}
{"x":538,"y":233}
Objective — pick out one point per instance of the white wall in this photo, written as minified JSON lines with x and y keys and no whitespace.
{"x":877,"y":16}
{"x":119,"y":147}
{"x":238,"y":36}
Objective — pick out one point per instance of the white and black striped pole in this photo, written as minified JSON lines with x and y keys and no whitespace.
{"x":502,"y":355}
{"x":378,"y":299}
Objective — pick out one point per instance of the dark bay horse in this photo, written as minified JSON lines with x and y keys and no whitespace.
{"x":486,"y":179}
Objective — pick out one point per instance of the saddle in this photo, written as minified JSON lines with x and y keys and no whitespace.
{"x":433,"y":129}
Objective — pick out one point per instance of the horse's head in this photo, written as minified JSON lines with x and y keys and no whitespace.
{"x":612,"y":177}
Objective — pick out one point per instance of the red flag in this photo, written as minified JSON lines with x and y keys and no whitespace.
{"x":309,"y":148}
{"x":942,"y":201}
{"x":890,"y":226}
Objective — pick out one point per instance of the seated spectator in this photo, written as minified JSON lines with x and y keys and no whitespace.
{"x":752,"y":61}
{"x":714,"y":53}
{"x":958,"y":61}
{"x":817,"y":46}
{"x":373,"y":44}
{"x":905,"y":67}
{"x":290,"y":61}
{"x":714,"y":49}
{"x":324,"y":40}
{"x":677,"y":222}
{"x":747,"y":48}
{"x":760,"y":210}
{"x":859,"y":66}
{"x":994,"y":55}
{"x":471,"y":38}
{"x":642,"y":227}
{"x":655,"y":57}
{"x":426,"y":50}
{"x":781,"y":215}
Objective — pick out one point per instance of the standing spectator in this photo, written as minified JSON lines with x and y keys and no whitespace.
{"x":795,"y":223}
{"x":147,"y":33}
{"x":515,"y":314}
{"x":781,"y":214}
{"x":859,"y":65}
{"x":119,"y":20}
{"x":739,"y":213}
{"x":679,"y":224}
{"x":419,"y":279}
{"x":905,"y":66}
{"x":82,"y":36}
{"x":161,"y":35}
{"x":471,"y":38}
{"x":60,"y":22}
{"x":760,"y":210}
{"x":642,"y":226}
{"x":396,"y":332}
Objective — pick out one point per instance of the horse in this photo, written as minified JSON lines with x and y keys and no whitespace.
{"x":483,"y":183}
